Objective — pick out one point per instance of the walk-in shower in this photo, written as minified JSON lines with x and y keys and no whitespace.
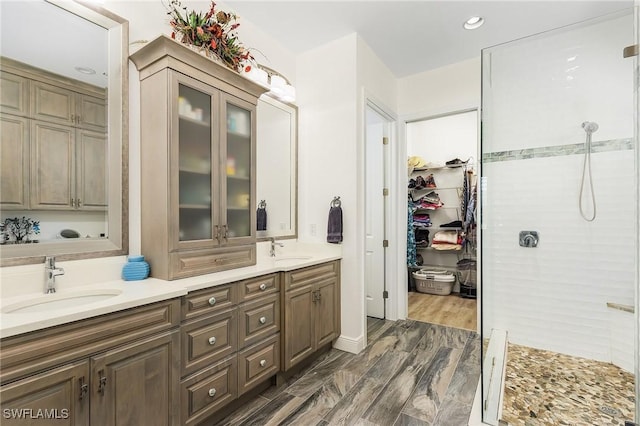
{"x":567,"y":306}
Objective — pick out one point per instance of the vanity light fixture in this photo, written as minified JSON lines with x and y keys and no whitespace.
{"x":279,"y":87}
{"x":85,"y":70}
{"x":473,"y":23}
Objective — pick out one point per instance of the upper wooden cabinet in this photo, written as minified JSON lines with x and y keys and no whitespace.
{"x":64,"y":106}
{"x":54,"y":141}
{"x":198,"y":149}
{"x":14,"y":162}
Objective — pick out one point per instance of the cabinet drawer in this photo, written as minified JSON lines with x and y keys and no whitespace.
{"x":255,"y":288}
{"x":257,"y":363}
{"x":208,"y":391}
{"x":208,"y":301}
{"x":258,"y":320}
{"x":306,"y":276}
{"x":199,"y":262}
{"x":208,"y":340}
{"x":28,"y":353}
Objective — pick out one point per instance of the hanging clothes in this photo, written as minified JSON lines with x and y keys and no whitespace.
{"x":411,"y":236}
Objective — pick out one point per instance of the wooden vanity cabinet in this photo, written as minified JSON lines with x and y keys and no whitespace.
{"x":54,"y":141}
{"x":230,"y":344}
{"x":62,"y":391}
{"x":116,"y":369}
{"x":198,"y":149}
{"x":311,"y":311}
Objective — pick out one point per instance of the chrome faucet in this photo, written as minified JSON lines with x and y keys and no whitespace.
{"x":272,"y":250}
{"x":51,"y":272}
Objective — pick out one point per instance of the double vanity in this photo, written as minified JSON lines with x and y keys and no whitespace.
{"x":224,"y":316}
{"x":175,"y":352}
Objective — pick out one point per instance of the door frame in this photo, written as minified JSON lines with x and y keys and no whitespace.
{"x":370,"y":144}
{"x":401,"y":294}
{"x":391,"y":265}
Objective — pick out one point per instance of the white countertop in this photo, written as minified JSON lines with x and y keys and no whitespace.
{"x":24,"y":285}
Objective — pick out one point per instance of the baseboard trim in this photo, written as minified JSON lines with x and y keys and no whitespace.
{"x":349,"y":344}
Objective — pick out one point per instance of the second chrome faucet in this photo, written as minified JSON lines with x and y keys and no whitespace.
{"x":272,"y":249}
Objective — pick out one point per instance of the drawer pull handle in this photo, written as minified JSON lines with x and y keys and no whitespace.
{"x":212,"y":340}
{"x":263,"y":320}
{"x":263,"y":363}
{"x":212,"y":301}
{"x":263,"y":286}
{"x":212,"y":392}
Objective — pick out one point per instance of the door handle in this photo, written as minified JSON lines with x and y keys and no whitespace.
{"x":102,"y":382}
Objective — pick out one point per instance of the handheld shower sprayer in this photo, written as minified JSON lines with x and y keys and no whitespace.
{"x":589,"y":127}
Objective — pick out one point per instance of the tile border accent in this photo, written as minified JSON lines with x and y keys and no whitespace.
{"x":558,"y":150}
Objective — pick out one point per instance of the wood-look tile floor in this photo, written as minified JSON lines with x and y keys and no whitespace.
{"x":410,"y":373}
{"x":451,"y":310}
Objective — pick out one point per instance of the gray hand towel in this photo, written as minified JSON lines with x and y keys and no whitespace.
{"x":334,"y":228}
{"x":261,"y":215}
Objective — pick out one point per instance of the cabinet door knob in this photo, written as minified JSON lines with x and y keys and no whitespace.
{"x":263,"y":286}
{"x":212,"y":301}
{"x":263,"y":320}
{"x":226,"y":233}
{"x":212,"y":392}
{"x":73,"y":202}
{"x":263,"y":363}
{"x":216,"y":233}
{"x":79,"y":203}
{"x":212,"y":340}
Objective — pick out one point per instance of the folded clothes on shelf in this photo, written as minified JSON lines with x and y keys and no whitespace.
{"x":454,"y":224}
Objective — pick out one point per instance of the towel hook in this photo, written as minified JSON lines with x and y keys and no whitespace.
{"x":336,"y":202}
{"x":262,"y":204}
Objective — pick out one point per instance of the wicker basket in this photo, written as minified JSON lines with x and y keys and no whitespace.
{"x":438,"y":282}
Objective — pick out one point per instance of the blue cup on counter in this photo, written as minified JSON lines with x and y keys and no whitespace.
{"x":135,"y":269}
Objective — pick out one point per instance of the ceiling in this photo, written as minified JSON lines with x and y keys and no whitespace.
{"x":66,"y":42}
{"x":415,"y":36}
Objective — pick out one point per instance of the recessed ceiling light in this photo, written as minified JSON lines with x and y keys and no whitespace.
{"x":85,"y":70}
{"x":473,"y":23}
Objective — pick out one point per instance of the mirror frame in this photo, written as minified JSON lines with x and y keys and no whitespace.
{"x":118,"y":154}
{"x":293,"y":187}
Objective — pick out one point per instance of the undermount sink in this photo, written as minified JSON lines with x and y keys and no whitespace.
{"x":59,"y":301}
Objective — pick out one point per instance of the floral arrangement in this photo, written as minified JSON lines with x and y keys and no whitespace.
{"x":213,"y":32}
{"x":19,"y":229}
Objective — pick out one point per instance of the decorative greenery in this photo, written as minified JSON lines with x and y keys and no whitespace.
{"x":19,"y":229}
{"x":214,"y":32}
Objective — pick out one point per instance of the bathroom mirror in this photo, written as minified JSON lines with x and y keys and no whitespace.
{"x":277,"y":171}
{"x":81,"y":44}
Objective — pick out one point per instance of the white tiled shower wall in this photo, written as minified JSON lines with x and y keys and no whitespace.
{"x":536,"y":94}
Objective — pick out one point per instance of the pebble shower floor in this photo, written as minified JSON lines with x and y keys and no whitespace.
{"x":548,"y":388}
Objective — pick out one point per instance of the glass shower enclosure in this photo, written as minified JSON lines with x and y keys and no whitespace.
{"x":559,"y":225}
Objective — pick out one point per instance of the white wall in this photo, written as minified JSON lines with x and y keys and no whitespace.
{"x":331,"y":156}
{"x":539,"y":92}
{"x":452,"y":88}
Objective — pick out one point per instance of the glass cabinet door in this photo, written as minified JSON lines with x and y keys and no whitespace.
{"x":239,"y":153}
{"x":195,"y":159}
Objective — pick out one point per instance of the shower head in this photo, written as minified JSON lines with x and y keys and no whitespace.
{"x":590,"y":126}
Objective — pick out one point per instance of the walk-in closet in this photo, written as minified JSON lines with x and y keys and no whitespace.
{"x":441,"y":219}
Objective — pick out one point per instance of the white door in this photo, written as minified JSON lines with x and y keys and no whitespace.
{"x":376,"y":130}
